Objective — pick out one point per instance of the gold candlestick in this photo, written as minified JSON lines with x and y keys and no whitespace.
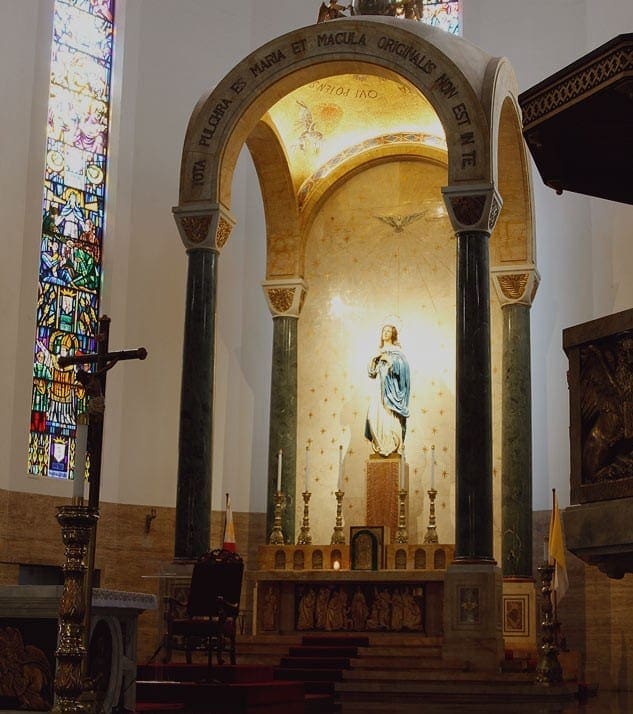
{"x":431,"y":530}
{"x":548,"y":670}
{"x":78,"y":524}
{"x":305,"y":538}
{"x":277,"y":535}
{"x":338,"y":537}
{"x":402,"y":535}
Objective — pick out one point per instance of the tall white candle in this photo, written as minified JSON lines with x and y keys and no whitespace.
{"x":433,"y":466}
{"x":307,"y":473}
{"x":81,"y":442}
{"x":279,"y":460}
{"x":340,"y":467}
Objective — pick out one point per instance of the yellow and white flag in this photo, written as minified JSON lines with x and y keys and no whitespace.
{"x":556,"y":551}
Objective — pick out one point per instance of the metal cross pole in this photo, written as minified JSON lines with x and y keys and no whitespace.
{"x":78,"y":523}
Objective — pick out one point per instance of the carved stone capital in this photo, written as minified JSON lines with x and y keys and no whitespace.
{"x":204,"y":226}
{"x":475,"y":207}
{"x":285,"y":297}
{"x":517,"y":285}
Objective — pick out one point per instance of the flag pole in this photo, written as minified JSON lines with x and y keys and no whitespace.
{"x":559,"y":639}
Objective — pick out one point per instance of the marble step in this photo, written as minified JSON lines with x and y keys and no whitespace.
{"x":266,"y":642}
{"x":190,"y":673}
{"x":402,"y":650}
{"x":225,"y":696}
{"x":295,"y":674}
{"x":506,"y":692}
{"x":316,"y":651}
{"x":264,"y":651}
{"x":442,"y":675}
{"x":335,"y":640}
{"x":304,"y":662}
{"x":407,"y":662}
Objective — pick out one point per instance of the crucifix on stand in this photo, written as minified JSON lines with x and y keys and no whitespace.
{"x":78,"y":523}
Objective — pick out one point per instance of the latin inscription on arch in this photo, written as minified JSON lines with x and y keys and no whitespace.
{"x":437,"y":80}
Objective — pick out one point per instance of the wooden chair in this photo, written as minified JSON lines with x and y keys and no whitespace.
{"x":208,"y":619}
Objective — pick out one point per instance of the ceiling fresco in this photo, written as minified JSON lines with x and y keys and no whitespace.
{"x":327,"y":122}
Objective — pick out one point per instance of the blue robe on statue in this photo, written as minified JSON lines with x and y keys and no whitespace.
{"x":388,"y":411}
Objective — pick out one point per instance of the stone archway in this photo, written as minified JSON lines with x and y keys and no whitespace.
{"x":474,"y":96}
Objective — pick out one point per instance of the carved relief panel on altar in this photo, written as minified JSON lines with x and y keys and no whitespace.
{"x":360,"y":607}
{"x":600,"y":380}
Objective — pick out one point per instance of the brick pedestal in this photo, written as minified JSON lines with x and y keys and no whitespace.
{"x":383,"y":483}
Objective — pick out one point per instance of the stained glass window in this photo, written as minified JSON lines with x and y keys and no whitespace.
{"x":72,"y":226}
{"x":445,"y":14}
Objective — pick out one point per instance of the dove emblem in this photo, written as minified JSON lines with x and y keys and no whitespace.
{"x":399,"y":223}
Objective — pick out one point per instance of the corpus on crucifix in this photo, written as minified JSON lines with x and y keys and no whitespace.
{"x":95,"y":383}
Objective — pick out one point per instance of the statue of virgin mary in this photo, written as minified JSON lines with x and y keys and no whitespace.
{"x":386,"y":423}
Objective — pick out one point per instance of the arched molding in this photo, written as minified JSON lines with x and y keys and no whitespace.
{"x":279,"y":199}
{"x":513,"y":242}
{"x":448,"y":70}
{"x":287,"y":223}
{"x":361,"y":162}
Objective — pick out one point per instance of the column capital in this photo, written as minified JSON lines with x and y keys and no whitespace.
{"x":285,"y":297}
{"x":516,"y":285}
{"x":473,"y":207}
{"x":204,"y":226}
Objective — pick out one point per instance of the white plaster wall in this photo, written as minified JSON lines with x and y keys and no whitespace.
{"x":168,"y":55}
{"x":25,"y":38}
{"x":178,"y":53}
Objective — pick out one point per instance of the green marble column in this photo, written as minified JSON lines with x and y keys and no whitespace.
{"x":473,"y":576}
{"x":473,"y":460}
{"x":283,"y":422}
{"x":515,"y":290}
{"x":285,"y":299}
{"x":516,"y":514}
{"x":193,"y":497}
{"x":204,"y":230}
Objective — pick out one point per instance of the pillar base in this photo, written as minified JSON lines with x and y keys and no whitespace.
{"x":519,"y":614}
{"x":472,"y":615}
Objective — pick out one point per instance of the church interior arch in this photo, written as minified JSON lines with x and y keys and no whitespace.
{"x":351,"y":158}
{"x":363,"y":222}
